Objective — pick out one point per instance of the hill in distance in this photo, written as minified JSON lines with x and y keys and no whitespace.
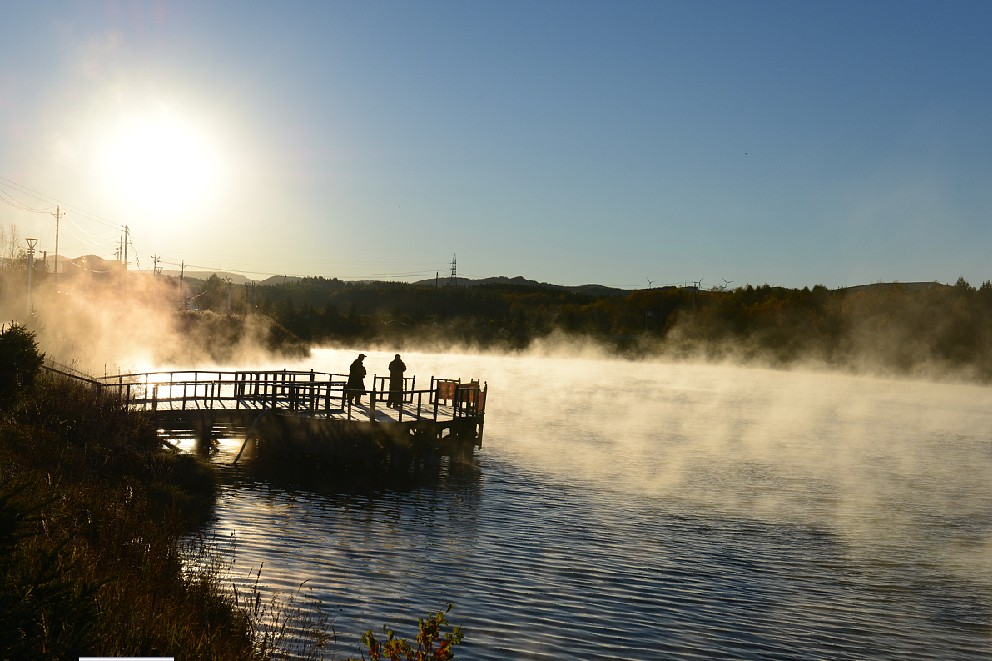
{"x":520,"y":281}
{"x":235,"y":278}
{"x":95,"y":264}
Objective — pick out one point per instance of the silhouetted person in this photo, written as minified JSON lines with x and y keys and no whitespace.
{"x":396,"y":369}
{"x":355,"y":387}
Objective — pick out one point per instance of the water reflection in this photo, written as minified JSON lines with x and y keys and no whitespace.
{"x":712,"y":512}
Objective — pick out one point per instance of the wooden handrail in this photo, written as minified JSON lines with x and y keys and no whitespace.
{"x":308,"y":392}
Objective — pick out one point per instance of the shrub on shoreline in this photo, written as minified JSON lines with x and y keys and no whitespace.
{"x":19,"y":361}
{"x":95,"y":555}
{"x":92,"y":513}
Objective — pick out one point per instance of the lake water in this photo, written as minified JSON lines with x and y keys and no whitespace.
{"x":650,"y":510}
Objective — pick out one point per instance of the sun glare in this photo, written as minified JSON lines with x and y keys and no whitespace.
{"x":161,"y":164}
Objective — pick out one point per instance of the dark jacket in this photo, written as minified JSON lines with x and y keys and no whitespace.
{"x":356,"y":375}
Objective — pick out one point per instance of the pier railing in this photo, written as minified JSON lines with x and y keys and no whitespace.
{"x":300,"y":392}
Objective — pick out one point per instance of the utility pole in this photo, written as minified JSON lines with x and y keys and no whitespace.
{"x":58,"y":216}
{"x":31,"y":244}
{"x":125,"y":247}
{"x":155,"y":269}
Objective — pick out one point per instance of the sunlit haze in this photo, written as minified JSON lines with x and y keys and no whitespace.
{"x":628,"y":144}
{"x":160,"y":164}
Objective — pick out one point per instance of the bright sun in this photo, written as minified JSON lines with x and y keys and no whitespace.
{"x":161,"y":164}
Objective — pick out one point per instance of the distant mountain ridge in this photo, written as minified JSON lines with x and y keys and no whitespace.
{"x":520,"y":281}
{"x":236,"y":278}
{"x":912,"y":286}
{"x":516,"y":281}
{"x":95,"y":264}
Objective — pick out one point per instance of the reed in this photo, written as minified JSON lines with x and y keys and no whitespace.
{"x":97,"y":554}
{"x":93,"y":514}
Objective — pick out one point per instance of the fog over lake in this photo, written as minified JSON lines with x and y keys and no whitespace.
{"x":656,"y":510}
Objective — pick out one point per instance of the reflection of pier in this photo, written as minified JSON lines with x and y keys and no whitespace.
{"x":307,"y":416}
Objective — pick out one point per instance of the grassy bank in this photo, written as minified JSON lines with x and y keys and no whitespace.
{"x":92,"y":512}
{"x":96,"y":558}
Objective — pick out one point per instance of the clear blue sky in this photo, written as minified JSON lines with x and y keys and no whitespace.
{"x":791,"y":143}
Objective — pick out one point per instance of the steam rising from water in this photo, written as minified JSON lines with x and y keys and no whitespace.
{"x":109,"y":326}
{"x":878,"y":462}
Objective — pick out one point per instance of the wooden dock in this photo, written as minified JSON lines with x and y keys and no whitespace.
{"x":305,"y":416}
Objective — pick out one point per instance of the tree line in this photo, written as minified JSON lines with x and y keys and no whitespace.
{"x":893,"y":328}
{"x":916,"y":328}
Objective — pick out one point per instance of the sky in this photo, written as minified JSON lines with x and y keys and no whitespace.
{"x":623,"y":143}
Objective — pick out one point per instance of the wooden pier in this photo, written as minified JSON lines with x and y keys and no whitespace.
{"x":305,"y":416}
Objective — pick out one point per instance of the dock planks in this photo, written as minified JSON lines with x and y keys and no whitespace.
{"x":307,"y":413}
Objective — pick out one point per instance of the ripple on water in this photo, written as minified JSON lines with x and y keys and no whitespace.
{"x":840,"y":537}
{"x":543,"y":570}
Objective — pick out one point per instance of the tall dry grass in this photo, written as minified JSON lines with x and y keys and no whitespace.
{"x":95,"y":555}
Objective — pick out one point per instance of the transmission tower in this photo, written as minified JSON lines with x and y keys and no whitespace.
{"x":454,"y":270}
{"x":31,"y":245}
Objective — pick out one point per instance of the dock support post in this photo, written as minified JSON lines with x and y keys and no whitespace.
{"x":203,"y":429}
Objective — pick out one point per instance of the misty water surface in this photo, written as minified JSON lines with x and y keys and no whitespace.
{"x":651,"y":510}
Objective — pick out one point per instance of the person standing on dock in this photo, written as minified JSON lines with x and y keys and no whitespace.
{"x":355,"y":387}
{"x":396,"y":369}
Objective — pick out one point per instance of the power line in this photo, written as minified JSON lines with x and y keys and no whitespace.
{"x":286,"y":274}
{"x":6,"y":185}
{"x":52,"y":201}
{"x":24,"y":190}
